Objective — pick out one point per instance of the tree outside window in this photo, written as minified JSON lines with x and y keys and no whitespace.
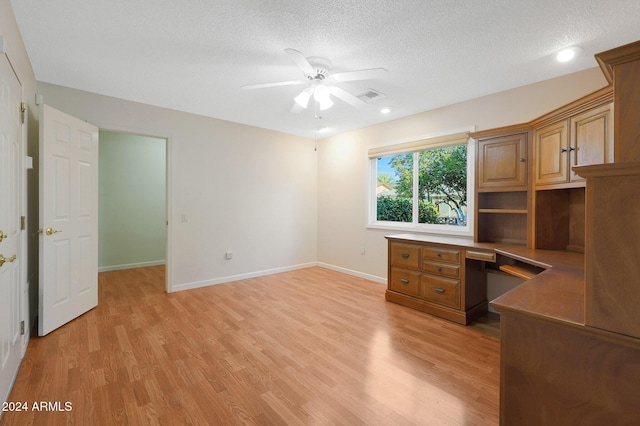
{"x":441,"y":194}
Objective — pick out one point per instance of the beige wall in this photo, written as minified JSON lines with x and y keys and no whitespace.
{"x":241,"y":188}
{"x":343,"y":167}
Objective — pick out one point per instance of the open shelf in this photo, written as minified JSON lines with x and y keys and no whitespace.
{"x":502,"y":217}
{"x":560,"y":219}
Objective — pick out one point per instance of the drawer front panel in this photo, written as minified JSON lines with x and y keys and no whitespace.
{"x":443,"y":269}
{"x":405,"y":281}
{"x":487,"y":256}
{"x":405,"y":255}
{"x":444,"y":291}
{"x":441,"y":254}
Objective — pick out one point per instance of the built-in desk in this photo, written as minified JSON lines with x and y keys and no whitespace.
{"x":445,"y":276}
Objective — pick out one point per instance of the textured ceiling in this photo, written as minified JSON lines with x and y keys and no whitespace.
{"x":195,"y":55}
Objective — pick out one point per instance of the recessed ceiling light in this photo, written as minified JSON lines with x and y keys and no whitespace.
{"x":565,"y":55}
{"x":323,"y":130}
{"x":385,"y":110}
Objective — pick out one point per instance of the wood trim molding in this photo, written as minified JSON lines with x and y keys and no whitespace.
{"x":610,"y":169}
{"x":621,"y":55}
{"x":501,"y":131}
{"x":592,"y":100}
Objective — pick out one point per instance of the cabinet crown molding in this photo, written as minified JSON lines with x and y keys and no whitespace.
{"x":618,"y":56}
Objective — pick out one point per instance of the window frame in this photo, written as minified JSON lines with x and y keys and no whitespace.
{"x":425,"y":142}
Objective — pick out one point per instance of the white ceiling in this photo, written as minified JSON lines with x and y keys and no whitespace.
{"x":195,"y":55}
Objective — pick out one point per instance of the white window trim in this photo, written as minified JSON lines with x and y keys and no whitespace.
{"x":428,"y":228}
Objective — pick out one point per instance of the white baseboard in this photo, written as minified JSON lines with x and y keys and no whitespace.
{"x":131,"y":265}
{"x":231,"y":278}
{"x":381,"y":280}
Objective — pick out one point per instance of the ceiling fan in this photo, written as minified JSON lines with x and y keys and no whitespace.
{"x":318,"y":73}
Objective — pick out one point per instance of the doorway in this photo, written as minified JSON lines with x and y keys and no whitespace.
{"x":132,"y":201}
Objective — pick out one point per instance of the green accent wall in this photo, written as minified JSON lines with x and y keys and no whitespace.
{"x":132,"y":201}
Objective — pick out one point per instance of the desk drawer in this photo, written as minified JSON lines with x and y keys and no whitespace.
{"x":444,"y":291}
{"x":442,"y":269}
{"x":405,"y":255}
{"x":405,"y":281}
{"x":487,"y":256}
{"x":441,"y":254}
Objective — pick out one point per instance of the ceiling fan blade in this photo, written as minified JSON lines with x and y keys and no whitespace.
{"x":299,"y":59}
{"x":370,"y":74}
{"x":276,"y":84}
{"x":347,"y":97}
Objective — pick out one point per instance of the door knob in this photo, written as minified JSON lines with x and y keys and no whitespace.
{"x":4,"y":260}
{"x":2,"y":236}
{"x":51,"y":231}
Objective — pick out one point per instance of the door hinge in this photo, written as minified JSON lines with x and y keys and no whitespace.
{"x":23,"y":110}
{"x":22,"y":328}
{"x":23,"y":223}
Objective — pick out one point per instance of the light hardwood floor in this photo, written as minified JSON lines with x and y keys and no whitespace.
{"x":311,"y":346}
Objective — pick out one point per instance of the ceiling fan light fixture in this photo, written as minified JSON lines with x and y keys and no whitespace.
{"x":321,"y":93}
{"x":303,"y":98}
{"x":325,"y":104}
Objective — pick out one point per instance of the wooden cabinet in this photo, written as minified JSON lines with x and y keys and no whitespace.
{"x":438,"y":278}
{"x":502,"y":200}
{"x":502,"y":162}
{"x":551,"y":149}
{"x":591,"y":138}
{"x":582,"y":139}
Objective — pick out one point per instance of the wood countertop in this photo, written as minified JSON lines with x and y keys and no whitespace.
{"x":558,"y":293}
{"x":444,"y":240}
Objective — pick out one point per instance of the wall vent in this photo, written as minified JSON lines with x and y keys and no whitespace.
{"x":371,"y":95}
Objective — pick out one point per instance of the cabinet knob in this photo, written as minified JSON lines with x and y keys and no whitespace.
{"x":439,"y":254}
{"x":522,"y":160}
{"x":439,"y":269}
{"x":563,"y":150}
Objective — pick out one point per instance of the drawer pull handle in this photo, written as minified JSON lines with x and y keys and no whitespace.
{"x":404,"y":281}
{"x":439,"y":290}
{"x":405,"y":255}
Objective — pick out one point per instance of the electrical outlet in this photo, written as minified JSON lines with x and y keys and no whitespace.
{"x":185,"y":217}
{"x":228,"y":255}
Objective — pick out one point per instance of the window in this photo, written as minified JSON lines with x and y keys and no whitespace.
{"x":422,"y":185}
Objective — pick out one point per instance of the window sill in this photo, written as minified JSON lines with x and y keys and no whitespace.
{"x":462,"y":231}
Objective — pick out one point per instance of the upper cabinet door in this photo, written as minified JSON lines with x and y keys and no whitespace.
{"x":591,"y":138}
{"x":551,"y":151}
{"x":502,"y":162}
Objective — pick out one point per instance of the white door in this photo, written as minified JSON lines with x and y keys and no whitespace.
{"x":10,"y":236}
{"x":68,"y":218}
